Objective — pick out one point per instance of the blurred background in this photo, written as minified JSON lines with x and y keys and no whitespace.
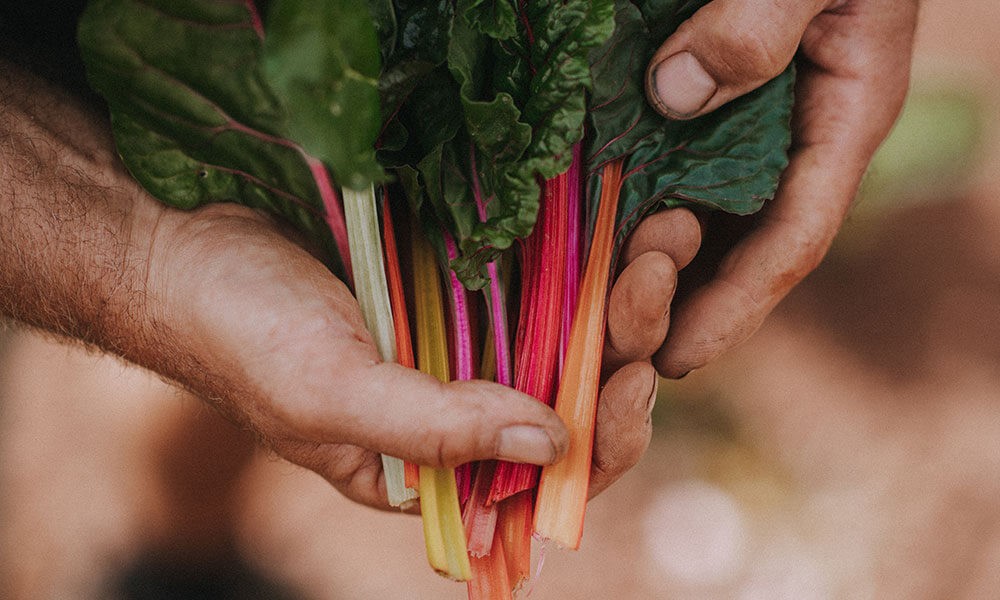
{"x":849,"y":450}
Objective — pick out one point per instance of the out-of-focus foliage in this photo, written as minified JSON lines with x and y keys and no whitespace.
{"x":932,"y":150}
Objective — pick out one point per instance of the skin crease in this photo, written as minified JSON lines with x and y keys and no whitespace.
{"x":209,"y":298}
{"x":853,"y":59}
{"x":222,"y":302}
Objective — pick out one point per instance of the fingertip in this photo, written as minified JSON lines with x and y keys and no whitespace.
{"x":624,"y":426}
{"x":676,"y":232}
{"x":503,"y":423}
{"x":724,"y":50}
{"x":639,"y":309}
{"x":410,"y":415}
{"x":678,"y":86}
{"x":529,"y":444}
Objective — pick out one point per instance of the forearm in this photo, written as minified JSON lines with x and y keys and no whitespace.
{"x":87,"y":254}
{"x":68,"y":215}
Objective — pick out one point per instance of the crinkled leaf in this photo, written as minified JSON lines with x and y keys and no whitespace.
{"x":495,"y":18}
{"x":728,"y":160}
{"x":524,"y":103}
{"x":420,"y":31}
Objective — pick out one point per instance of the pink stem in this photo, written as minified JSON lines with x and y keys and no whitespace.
{"x":498,"y":310}
{"x":463,"y":333}
{"x":334,"y":214}
{"x":258,"y":25}
{"x":464,"y":368}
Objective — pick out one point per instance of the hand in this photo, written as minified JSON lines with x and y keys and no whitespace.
{"x":222,"y":302}
{"x":853,"y":72}
{"x":281,"y":345}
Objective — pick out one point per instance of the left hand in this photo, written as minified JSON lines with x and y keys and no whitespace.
{"x":853,"y":73}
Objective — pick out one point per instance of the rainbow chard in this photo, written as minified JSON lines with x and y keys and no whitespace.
{"x":517,"y":74}
{"x":543,"y":264}
{"x":475,"y":113}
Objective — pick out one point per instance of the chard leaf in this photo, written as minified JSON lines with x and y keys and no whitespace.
{"x":495,"y":18}
{"x":414,"y":45}
{"x":321,"y":58}
{"x":197,"y":120}
{"x":524,"y":102}
{"x":728,"y":160}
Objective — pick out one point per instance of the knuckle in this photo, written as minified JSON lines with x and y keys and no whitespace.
{"x":741,"y":43}
{"x":750,"y":57}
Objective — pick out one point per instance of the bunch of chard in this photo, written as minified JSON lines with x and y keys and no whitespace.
{"x":507,"y":144}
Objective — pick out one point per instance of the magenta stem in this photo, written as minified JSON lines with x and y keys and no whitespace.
{"x":464,"y":369}
{"x":258,"y":25}
{"x":495,"y":297}
{"x":334,"y":214}
{"x":571,"y":290}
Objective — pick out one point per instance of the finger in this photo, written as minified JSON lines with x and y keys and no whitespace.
{"x":639,"y":309}
{"x":675,"y":232}
{"x":726,"y":49}
{"x":624,"y":426}
{"x":355,"y":472}
{"x":402,"y":412}
{"x":850,"y":90}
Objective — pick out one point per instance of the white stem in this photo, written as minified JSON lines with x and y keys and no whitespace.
{"x":372,"y":292}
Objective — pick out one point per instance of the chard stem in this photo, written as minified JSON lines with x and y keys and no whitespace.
{"x":562,"y":491}
{"x":334,"y":214}
{"x":372,"y":292}
{"x":444,"y":535}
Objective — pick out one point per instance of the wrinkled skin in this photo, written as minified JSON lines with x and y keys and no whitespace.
{"x":221,"y":301}
{"x":226,"y":304}
{"x":853,"y":72}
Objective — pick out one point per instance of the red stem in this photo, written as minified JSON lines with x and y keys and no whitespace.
{"x":334,"y":214}
{"x":540,"y":327}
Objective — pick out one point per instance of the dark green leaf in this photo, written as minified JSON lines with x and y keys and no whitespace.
{"x":524,"y":103}
{"x":495,"y":18}
{"x":728,"y":160}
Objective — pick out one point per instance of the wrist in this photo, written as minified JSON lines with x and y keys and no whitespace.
{"x":67,"y":211}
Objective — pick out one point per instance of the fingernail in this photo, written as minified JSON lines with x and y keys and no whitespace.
{"x":682,"y":85}
{"x":524,"y":443}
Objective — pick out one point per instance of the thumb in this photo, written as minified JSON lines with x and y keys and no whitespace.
{"x":402,"y":412}
{"x":726,"y":49}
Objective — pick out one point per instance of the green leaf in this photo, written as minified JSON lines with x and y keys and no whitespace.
{"x":728,"y":160}
{"x":524,"y":103}
{"x":321,"y":57}
{"x":196,"y":119}
{"x":495,"y":18}
{"x":421,"y":31}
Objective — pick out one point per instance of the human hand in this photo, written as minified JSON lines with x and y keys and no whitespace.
{"x":223,"y":302}
{"x":281,"y":345}
{"x":853,"y":59}
{"x":853,"y":72}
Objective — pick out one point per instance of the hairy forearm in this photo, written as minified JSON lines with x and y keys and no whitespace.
{"x":87,"y":254}
{"x":67,"y":216}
